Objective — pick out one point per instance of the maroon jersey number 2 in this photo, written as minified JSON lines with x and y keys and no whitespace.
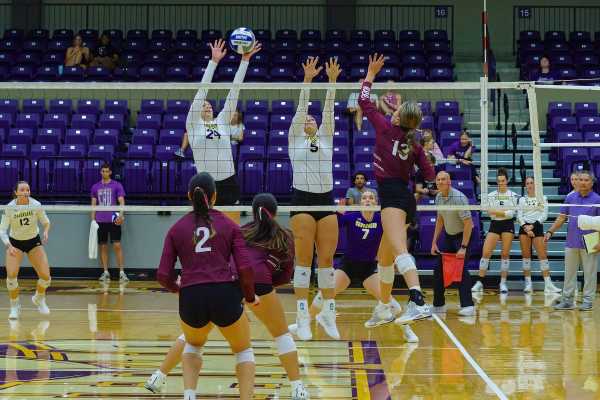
{"x":204,"y":234}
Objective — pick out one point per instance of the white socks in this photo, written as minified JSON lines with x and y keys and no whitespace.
{"x":189,"y":394}
{"x":302,"y":306}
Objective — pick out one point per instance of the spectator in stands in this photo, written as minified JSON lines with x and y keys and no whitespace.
{"x":574,"y":179}
{"x":575,"y":253}
{"x":107,"y":193}
{"x":237,"y":134}
{"x":461,"y":152}
{"x":354,"y":110}
{"x":77,"y":55}
{"x":544,"y":75}
{"x":457,"y":226}
{"x":105,"y":55}
{"x":421,"y":189}
{"x":390,"y":101}
{"x":354,"y":193}
{"x":431,"y":147}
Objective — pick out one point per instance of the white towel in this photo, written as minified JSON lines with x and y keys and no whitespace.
{"x":93,"y":240}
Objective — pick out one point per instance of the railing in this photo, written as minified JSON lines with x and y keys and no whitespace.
{"x":560,"y":18}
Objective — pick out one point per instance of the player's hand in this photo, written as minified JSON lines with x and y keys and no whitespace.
{"x":45,"y":237}
{"x":119,"y":220}
{"x":547,"y":237}
{"x":257,"y":47}
{"x":333,"y":70}
{"x":434,"y":249}
{"x":376,"y":62}
{"x":310,"y":69}
{"x":217,"y":50}
{"x":12,"y":251}
{"x":461,"y":253}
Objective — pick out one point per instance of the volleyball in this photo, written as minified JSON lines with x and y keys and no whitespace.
{"x":242,"y":40}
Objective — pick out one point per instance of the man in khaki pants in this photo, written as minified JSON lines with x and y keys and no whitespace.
{"x":575,"y":252}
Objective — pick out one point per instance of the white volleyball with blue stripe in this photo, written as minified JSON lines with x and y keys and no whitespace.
{"x":242,"y":40}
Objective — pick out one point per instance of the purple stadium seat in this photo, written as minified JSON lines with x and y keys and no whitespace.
{"x":91,"y":173}
{"x":559,"y":109}
{"x":447,"y":108}
{"x":8,"y":106}
{"x":60,"y":106}
{"x":257,"y":107}
{"x":255,"y":137}
{"x":586,"y":110}
{"x":140,"y":151}
{"x":440,"y":74}
{"x":151,"y":73}
{"x":341,"y":170}
{"x":111,"y":121}
{"x":569,"y":156}
{"x":366,"y":168}
{"x":15,"y":34}
{"x":412,"y":74}
{"x":39,"y":175}
{"x":281,"y":121}
{"x":178,"y":73}
{"x":73,"y":150}
{"x":257,"y":74}
{"x":84,"y":121}
{"x":252,"y":173}
{"x":364,"y":137}
{"x":116,"y":107}
{"x":26,"y":120}
{"x":283,"y":107}
{"x":425,"y":107}
{"x":149,"y":121}
{"x":66,"y":176}
{"x":178,"y":107}
{"x":282,"y":74}
{"x":72,"y":74}
{"x":20,"y":136}
{"x":98,"y":73}
{"x":144,"y":136}
{"x":10,"y":174}
{"x":171,"y":136}
{"x":569,"y":137}
{"x":283,"y":58}
{"x":34,"y":45}
{"x":14,"y":150}
{"x":32,"y":60}
{"x":78,"y":136}
{"x":387,"y":74}
{"x":174,"y":121}
{"x":566,"y":73}
{"x":561,"y":60}
{"x":363,"y":154}
{"x":152,"y":106}
{"x":42,"y":151}
{"x":34,"y":106}
{"x":278,"y":137}
{"x":427,"y":122}
{"x":565,"y":124}
{"x":279,"y":177}
{"x":591,"y":136}
{"x":187,"y":34}
{"x":164,"y":152}
{"x":257,"y":121}
{"x":101,"y":151}
{"x":164,"y":177}
{"x":21,"y":73}
{"x":459,"y":172}
{"x":159,"y":45}
{"x":136,"y":176}
{"x":277,"y":153}
{"x":51,"y":136}
{"x":340,"y":138}
{"x":340,"y":186}
{"x":466,"y":187}
{"x":88,"y":106}
{"x":416,"y":60}
{"x":57,"y":121}
{"x":340,"y":154}
{"x":595,"y":154}
{"x":188,"y":169}
{"x":47,"y":73}
{"x":449,"y":123}
{"x":62,"y":33}
{"x":106,"y":136}
{"x":589,"y":124}
{"x":447,"y":138}
{"x":251,"y":153}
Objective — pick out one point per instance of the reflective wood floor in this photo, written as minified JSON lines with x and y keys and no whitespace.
{"x":102,"y":343}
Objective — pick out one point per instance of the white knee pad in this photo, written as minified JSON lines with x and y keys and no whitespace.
{"x":544,"y":265}
{"x":484,"y":264}
{"x":245,"y":356}
{"x":181,"y":337}
{"x":504,"y":264}
{"x":191,"y":349}
{"x":318,"y":300}
{"x":285,"y":344}
{"x":527,"y":264}
{"x":12,"y":284}
{"x":44,"y":283}
{"x":386,"y":274}
{"x":404,"y":263}
{"x":326,"y":278}
{"x":302,"y":277}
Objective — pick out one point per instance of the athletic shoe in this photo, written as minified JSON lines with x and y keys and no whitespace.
{"x":551,"y":299}
{"x":293,"y":328}
{"x":396,"y":307}
{"x":477,"y":287}
{"x":503,"y":287}
{"x":409,"y":335}
{"x":528,"y":299}
{"x":105,"y":277}
{"x":550,"y":288}
{"x":382,"y":314}
{"x":299,"y":391}
{"x":123,"y":277}
{"x":40,"y":302}
{"x":477,"y":297}
{"x":157,"y":383}
{"x":586,"y":306}
{"x":564,"y":305}
{"x":439,"y":309}
{"x":179,"y":153}
{"x":303,"y":326}
{"x":467,"y":311}
{"x":15,"y":311}
{"x":414,"y":313}
{"x":503,"y":297}
{"x":528,"y":287}
{"x":326,"y":319}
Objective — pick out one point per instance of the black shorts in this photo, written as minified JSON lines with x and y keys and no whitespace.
{"x":504,"y":226}
{"x":228,"y":192}
{"x":302,"y":198}
{"x":108,"y":228}
{"x":538,"y":229}
{"x":219,"y":303}
{"x":262,"y":289}
{"x":394,"y":193}
{"x":26,"y":245}
{"x":358,"y":271}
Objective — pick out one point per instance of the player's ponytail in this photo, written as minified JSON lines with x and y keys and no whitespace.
{"x":264,"y":231}
{"x":410,"y":117}
{"x":201,"y":190}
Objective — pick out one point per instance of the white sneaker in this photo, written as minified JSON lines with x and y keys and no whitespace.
{"x":293,"y":328}
{"x":382,"y":314}
{"x":303,"y":325}
{"x":477,"y":287}
{"x":503,"y":297}
{"x":409,"y":335}
{"x":40,"y":302}
{"x":326,"y":318}
{"x":157,"y":383}
{"x":503,"y":287}
{"x":467,"y":311}
{"x":15,"y":311}
{"x":299,"y":391}
{"x":105,"y":277}
{"x":413,"y":313}
{"x":549,"y":288}
{"x":396,"y":307}
{"x":528,"y":286}
{"x":123,"y":277}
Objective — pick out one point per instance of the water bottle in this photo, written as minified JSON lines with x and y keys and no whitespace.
{"x":60,"y":69}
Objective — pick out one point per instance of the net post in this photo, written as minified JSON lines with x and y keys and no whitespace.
{"x":535,"y":137}
{"x":484,"y":138}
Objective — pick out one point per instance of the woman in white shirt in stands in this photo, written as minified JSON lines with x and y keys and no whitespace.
{"x":24,"y":238}
{"x":531,"y":231}
{"x":502,"y":227}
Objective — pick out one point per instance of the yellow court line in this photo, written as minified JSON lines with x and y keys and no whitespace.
{"x":26,"y":352}
{"x":362,"y":383}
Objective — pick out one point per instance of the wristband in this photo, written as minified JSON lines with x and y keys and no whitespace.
{"x":463,"y":247}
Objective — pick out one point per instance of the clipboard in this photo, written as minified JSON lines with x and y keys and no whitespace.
{"x":590,"y":240}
